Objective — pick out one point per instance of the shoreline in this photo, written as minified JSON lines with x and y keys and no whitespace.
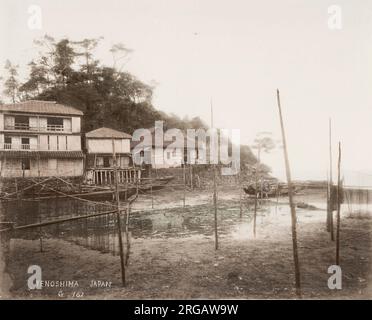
{"x":188,"y":267}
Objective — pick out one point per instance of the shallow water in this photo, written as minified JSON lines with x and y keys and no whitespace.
{"x":167,"y":222}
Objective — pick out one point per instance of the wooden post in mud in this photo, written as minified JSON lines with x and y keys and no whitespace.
{"x":152,"y":197}
{"x":184,"y":184}
{"x":277,"y":197}
{"x":367,"y":200}
{"x":240,"y":194}
{"x":257,"y":195}
{"x":38,"y":203}
{"x":255,"y":204}
{"x":127,"y":235}
{"x":40,"y":233}
{"x":215,"y":206}
{"x":16,"y":188}
{"x":117,"y":195}
{"x":137,"y":185}
{"x":191,"y":178}
{"x":126,"y":189}
{"x":338,"y":206}
{"x":330,"y":187}
{"x":291,"y":202}
{"x":214,"y":192}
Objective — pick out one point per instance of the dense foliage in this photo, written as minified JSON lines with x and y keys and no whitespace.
{"x":68,"y":72}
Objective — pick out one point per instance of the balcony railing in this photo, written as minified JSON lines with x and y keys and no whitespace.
{"x":13,"y":146}
{"x":27,"y":127}
{"x":20,"y":126}
{"x":55,"y":127}
{"x":106,"y":176}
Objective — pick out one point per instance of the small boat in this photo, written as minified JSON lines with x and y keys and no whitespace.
{"x":269,"y":190}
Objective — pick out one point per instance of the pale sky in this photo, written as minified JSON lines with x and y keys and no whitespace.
{"x":236,"y":52}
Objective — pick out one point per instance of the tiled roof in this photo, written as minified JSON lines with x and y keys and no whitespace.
{"x":40,"y":107}
{"x":43,"y":154}
{"x":107,"y":133}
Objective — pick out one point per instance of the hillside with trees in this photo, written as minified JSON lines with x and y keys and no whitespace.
{"x":68,"y":72}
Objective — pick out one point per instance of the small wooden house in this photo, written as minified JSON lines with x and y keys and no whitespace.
{"x":163,"y":157}
{"x":101,"y":146}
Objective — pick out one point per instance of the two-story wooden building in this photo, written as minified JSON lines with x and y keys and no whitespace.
{"x":40,"y":138}
{"x":101,"y":146}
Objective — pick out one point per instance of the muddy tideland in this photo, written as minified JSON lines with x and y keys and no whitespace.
{"x":172,"y":249}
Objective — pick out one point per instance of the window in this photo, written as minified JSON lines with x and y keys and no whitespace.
{"x":106,"y":162}
{"x":66,"y":144}
{"x":57,"y":142}
{"x":67,"y":124}
{"x":174,"y":152}
{"x":22,"y":123}
{"x":8,"y":143}
{"x":168,"y":155}
{"x":26,"y":164}
{"x":48,"y":142}
{"x":25,"y":143}
{"x":99,"y":162}
{"x":9,"y":122}
{"x":124,"y":162}
{"x":55,"y":124}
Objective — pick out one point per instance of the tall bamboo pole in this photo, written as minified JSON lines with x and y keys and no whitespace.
{"x":338,"y":206}
{"x":240,"y":194}
{"x":117,"y":193}
{"x":330,"y":187}
{"x":215,"y":206}
{"x":291,"y":203}
{"x":214,"y":192}
{"x":184,"y":184}
{"x":38,"y":203}
{"x":256,"y":195}
{"x":191,"y":178}
{"x":152,"y":196}
{"x":16,"y":188}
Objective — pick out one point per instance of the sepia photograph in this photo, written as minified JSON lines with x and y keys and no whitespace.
{"x":158,"y":150}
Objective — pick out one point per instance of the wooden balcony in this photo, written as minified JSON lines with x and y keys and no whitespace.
{"x":56,"y":128}
{"x":27,"y":127}
{"x":106,"y":176}
{"x":21,"y":127}
{"x":13,"y":146}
